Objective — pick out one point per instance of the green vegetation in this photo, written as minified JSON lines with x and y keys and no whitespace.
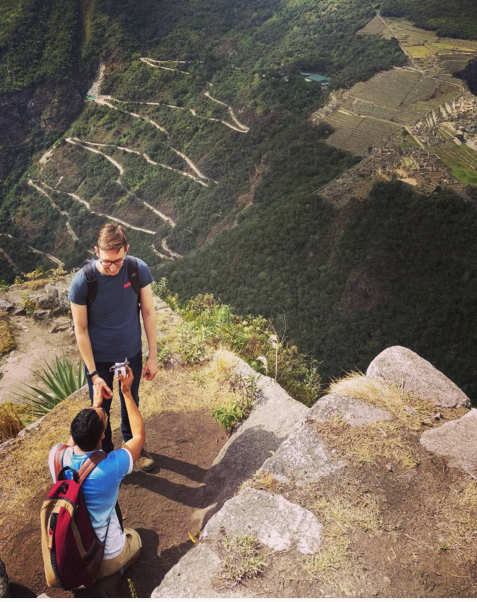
{"x":61,"y":380}
{"x":252,"y":339}
{"x":396,"y":269}
{"x":245,"y":394}
{"x":457,"y":19}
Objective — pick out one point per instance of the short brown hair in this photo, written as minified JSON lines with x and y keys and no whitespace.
{"x":112,"y":237}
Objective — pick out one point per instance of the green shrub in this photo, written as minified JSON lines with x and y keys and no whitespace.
{"x":61,"y":380}
{"x":245,"y":392}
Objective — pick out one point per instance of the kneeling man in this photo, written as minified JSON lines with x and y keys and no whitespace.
{"x":101,"y":487}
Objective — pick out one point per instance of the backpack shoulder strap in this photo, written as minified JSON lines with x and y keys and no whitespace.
{"x":58,"y":461}
{"x":91,"y":281}
{"x":94,"y":459}
{"x":133,"y":274}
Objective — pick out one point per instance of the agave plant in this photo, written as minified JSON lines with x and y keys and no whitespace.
{"x":60,"y":380}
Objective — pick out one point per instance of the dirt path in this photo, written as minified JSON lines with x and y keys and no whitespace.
{"x":103,"y":100}
{"x":52,"y":258}
{"x":243,"y":128}
{"x":52,"y":202}
{"x":159,"y":504}
{"x":170,"y":251}
{"x":28,"y":357}
{"x":87,"y":145}
{"x":154,"y":63}
{"x":111,"y":217}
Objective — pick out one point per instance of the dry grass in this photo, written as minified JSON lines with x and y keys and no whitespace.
{"x":457,"y":521}
{"x":380,"y":442}
{"x":177,"y":390}
{"x":352,"y":510}
{"x":264,"y":481}
{"x":408,"y":410}
{"x":243,"y":558}
{"x":10,"y":423}
{"x":7,"y":340}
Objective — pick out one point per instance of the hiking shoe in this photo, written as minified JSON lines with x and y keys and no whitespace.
{"x":145,"y":461}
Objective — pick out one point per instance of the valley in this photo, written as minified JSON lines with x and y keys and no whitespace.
{"x":235,"y":173}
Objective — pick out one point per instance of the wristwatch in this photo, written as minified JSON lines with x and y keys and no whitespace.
{"x":94,"y":373}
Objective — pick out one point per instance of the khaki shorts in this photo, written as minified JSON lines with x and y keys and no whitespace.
{"x":129,"y":555}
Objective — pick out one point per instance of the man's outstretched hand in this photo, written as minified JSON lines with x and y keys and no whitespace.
{"x":150,"y":369}
{"x":104,"y":390}
{"x":126,"y":381}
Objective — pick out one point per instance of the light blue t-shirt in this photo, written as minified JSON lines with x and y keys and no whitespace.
{"x":100,"y":493}
{"x":113,"y":322}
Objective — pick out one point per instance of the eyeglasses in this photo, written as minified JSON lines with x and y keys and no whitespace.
{"x":119,"y":262}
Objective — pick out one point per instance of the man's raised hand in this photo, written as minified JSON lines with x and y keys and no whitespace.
{"x":126,"y":381}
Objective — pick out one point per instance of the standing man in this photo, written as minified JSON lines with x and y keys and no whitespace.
{"x":105,"y":311}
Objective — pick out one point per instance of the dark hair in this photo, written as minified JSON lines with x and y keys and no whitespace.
{"x":86,"y":429}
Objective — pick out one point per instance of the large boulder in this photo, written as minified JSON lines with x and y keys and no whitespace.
{"x":274,"y":521}
{"x":301,"y":459}
{"x":404,"y":368}
{"x":455,"y":440}
{"x":55,"y":298}
{"x":354,"y":412}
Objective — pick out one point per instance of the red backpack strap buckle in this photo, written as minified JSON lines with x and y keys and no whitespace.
{"x":58,"y":461}
{"x":94,"y":459}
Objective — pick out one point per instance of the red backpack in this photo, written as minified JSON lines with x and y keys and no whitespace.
{"x":72,"y":554}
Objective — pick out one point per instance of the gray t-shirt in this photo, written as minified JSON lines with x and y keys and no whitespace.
{"x":113,"y":321}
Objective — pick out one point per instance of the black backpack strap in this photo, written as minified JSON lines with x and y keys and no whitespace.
{"x":88,"y":271}
{"x":133,"y":276}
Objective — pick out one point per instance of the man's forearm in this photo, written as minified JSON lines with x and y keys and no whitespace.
{"x":151,"y":333}
{"x":84,"y":346}
{"x":135,"y":419}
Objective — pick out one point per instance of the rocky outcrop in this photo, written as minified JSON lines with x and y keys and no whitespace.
{"x":352,"y":411}
{"x":271,"y":519}
{"x":406,"y":369}
{"x":456,"y":441}
{"x":285,"y":439}
{"x":273,"y":418}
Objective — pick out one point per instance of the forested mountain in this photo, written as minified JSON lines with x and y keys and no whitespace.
{"x":200,"y":137}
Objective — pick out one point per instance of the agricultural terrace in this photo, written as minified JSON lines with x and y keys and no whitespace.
{"x":460,"y":159}
{"x":356,"y":134}
{"x":376,"y":27}
{"x":428,"y":51}
{"x":379,"y":107}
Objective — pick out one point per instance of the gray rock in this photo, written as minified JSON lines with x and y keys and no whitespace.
{"x":61,"y":326}
{"x":272,"y":419}
{"x":5,"y":304}
{"x":55,"y":298}
{"x":4,"y":586}
{"x":403,"y":367}
{"x":192,"y":576}
{"x":42,"y":314}
{"x":82,"y":393}
{"x":455,"y":440}
{"x":353,"y":411}
{"x":301,"y":459}
{"x":273,"y":520}
{"x":21,"y":311}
